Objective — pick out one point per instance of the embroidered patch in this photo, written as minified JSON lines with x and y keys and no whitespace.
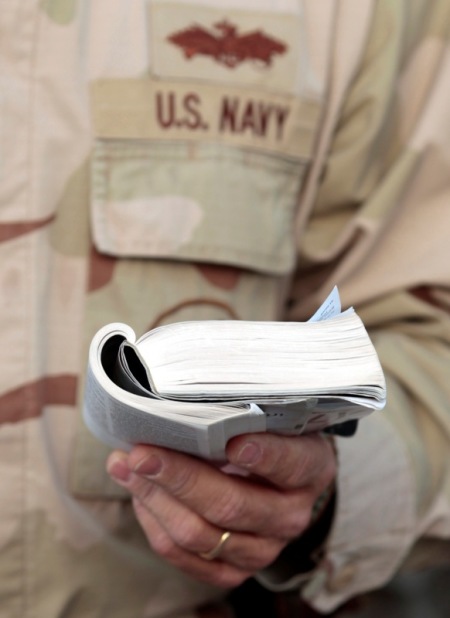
{"x":198,"y":112}
{"x":220,"y":43}
{"x":224,"y":44}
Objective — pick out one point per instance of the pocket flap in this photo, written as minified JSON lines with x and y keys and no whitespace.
{"x":208,"y":203}
{"x":218,"y":182}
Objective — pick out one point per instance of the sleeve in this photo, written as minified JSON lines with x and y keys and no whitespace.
{"x":379,"y":230}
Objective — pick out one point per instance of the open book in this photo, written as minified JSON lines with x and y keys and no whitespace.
{"x":191,"y":386}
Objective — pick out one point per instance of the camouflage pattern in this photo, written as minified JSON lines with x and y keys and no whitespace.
{"x":146,"y":182}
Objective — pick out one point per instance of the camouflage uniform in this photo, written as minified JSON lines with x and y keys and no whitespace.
{"x":154,"y":171}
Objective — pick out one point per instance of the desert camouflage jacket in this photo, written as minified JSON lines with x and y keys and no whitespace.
{"x":179,"y":159}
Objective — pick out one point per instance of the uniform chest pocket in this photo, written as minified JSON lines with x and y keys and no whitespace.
{"x":219,"y":196}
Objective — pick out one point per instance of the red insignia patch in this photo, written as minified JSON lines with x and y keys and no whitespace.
{"x":226,"y":46}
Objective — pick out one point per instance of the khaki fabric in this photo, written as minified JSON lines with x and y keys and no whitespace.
{"x":144,"y":180}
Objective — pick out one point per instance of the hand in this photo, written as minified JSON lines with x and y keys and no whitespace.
{"x":184,"y":504}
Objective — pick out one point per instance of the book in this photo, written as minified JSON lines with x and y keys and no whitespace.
{"x":191,"y":386}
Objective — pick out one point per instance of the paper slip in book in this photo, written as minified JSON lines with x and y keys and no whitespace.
{"x":191,"y":386}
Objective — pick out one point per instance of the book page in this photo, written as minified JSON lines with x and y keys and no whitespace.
{"x":330,"y":307}
{"x":116,"y":420}
{"x":121,"y":419}
{"x":331,"y":354}
{"x":221,"y":360}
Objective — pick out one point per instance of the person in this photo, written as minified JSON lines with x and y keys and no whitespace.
{"x":213,"y":159}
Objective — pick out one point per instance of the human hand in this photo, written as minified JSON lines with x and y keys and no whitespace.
{"x":185,"y":505}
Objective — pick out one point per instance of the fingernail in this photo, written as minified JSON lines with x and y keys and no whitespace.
{"x":149,"y":466}
{"x":118,"y":469}
{"x":249,"y":454}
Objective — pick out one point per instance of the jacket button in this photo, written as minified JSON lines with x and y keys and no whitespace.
{"x":342,"y":578}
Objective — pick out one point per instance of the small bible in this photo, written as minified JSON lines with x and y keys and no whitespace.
{"x":191,"y":386}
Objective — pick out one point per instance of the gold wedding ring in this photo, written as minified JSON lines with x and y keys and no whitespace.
{"x":215,"y":551}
